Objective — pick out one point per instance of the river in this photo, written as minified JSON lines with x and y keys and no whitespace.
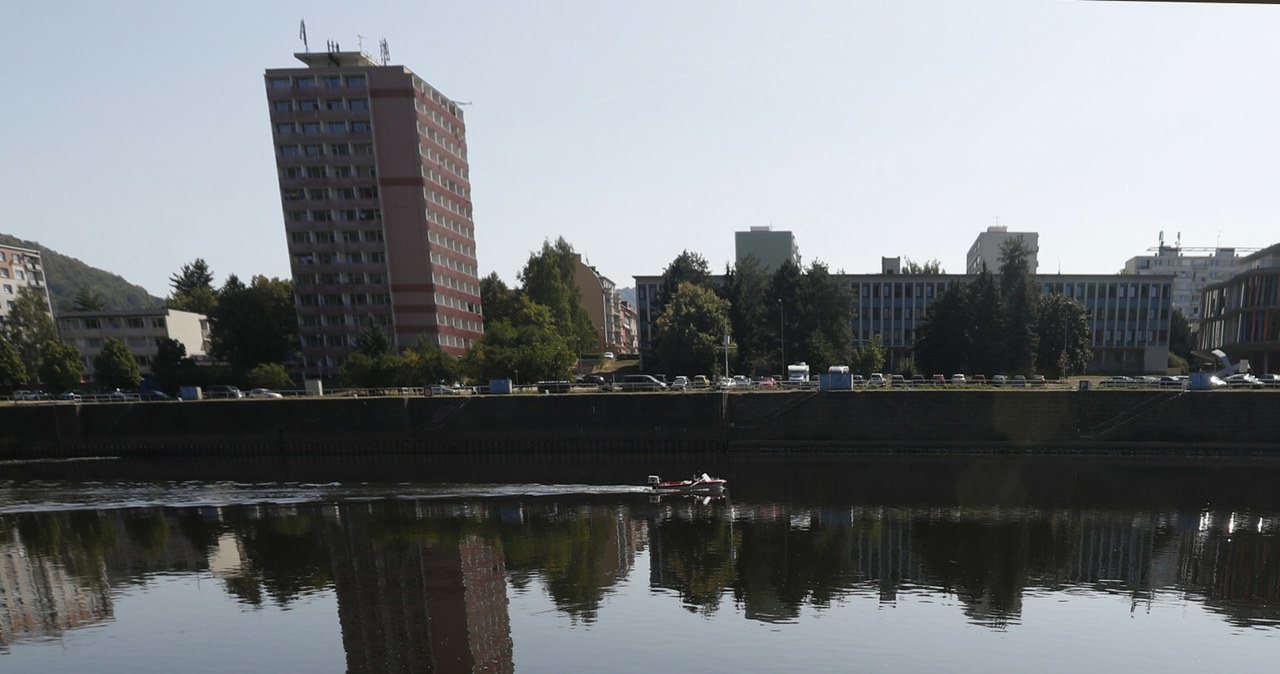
{"x":875,"y":563}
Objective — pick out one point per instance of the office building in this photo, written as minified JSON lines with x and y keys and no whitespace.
{"x":769,"y":247}
{"x":20,"y":268}
{"x":375,"y":189}
{"x":985,"y":251}
{"x":1241,"y":314}
{"x":141,"y":330}
{"x":1128,"y":317}
{"x":1192,"y":269}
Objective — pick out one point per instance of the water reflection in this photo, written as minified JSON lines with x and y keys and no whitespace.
{"x":424,"y":583}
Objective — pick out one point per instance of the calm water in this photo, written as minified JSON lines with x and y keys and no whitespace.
{"x":924,"y":564}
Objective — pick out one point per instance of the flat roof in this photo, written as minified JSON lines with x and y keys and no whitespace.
{"x":336,"y":59}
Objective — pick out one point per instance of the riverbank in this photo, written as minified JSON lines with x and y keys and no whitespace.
{"x":1173,"y":422}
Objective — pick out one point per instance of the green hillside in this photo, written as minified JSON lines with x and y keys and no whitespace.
{"x":65,"y":275}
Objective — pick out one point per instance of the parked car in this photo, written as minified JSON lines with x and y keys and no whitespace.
{"x":73,"y":396}
{"x":1019,"y":380}
{"x":1116,"y":381}
{"x":979,"y":379}
{"x":267,"y":393}
{"x":999,"y":380}
{"x":1037,"y":380}
{"x":877,"y":379}
{"x":939,"y":380}
{"x":1243,"y":381}
{"x":153,"y":395}
{"x":917,"y":380}
{"x":436,"y":390}
{"x":607,"y":355}
{"x":222,"y":391}
{"x":725,"y":383}
{"x":897,"y":380}
{"x":681,"y":382}
{"x":1269,"y":379}
{"x":30,"y":395}
{"x":765,"y":382}
{"x":641,"y":382}
{"x":1171,"y":381}
{"x":741,"y":381}
{"x":557,"y":386}
{"x":593,"y":379}
{"x":958,"y":380}
{"x":700,"y":381}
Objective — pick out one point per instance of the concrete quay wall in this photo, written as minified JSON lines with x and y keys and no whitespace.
{"x":677,"y":423}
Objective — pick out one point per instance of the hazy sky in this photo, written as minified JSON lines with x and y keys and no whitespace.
{"x":137,"y":137}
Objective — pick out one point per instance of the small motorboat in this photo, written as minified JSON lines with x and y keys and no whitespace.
{"x":698,"y":484}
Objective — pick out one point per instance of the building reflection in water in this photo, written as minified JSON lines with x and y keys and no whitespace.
{"x":424,"y":584}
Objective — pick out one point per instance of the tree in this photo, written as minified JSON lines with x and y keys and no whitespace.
{"x":869,"y":357}
{"x":497,"y":300}
{"x":115,"y":366}
{"x":931,"y":267}
{"x":373,"y":370}
{"x":1062,"y":332}
{"x":549,"y":280}
{"x":826,"y":311}
{"x":269,"y":375}
{"x":254,"y":324}
{"x":746,"y":288}
{"x":985,"y":329}
{"x":686,"y":268}
{"x":372,"y":340}
{"x":88,"y":299}
{"x":690,"y":328}
{"x":426,"y":363}
{"x":61,"y":367}
{"x":1181,"y":338}
{"x":1018,"y":292}
{"x":193,"y":289}
{"x":169,"y":363}
{"x":12,"y":372}
{"x":529,"y":345}
{"x":942,"y":338}
{"x":28,"y":326}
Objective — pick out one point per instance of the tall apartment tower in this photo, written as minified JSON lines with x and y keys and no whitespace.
{"x":985,"y":251}
{"x":374,"y":184}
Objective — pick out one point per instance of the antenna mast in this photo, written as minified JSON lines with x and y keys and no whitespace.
{"x":302,"y":34}
{"x":386,"y":52}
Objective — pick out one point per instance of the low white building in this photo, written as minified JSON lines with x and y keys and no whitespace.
{"x":141,"y":330}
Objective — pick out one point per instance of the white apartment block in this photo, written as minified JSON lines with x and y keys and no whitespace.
{"x":985,"y":251}
{"x":1192,"y":270}
{"x":140,"y":329}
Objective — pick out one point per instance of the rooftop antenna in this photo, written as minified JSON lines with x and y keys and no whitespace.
{"x":386,"y":51}
{"x":360,"y":41}
{"x":302,"y":34}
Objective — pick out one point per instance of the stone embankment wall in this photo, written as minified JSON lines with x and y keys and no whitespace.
{"x":677,"y":423}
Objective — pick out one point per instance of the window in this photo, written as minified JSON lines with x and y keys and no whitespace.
{"x":286,"y":128}
{"x":345,"y":193}
{"x":306,"y":82}
{"x":289,"y":151}
{"x":279,"y":83}
{"x":358,"y":104}
{"x":339,"y":149}
{"x":372,"y":235}
{"x":368,"y":192}
{"x":324,"y":237}
{"x":294,"y":195}
{"x":353,"y":258}
{"x":318,"y":194}
{"x":337,"y":127}
{"x":282,"y":106}
{"x":350,"y":236}
{"x":341,"y":171}
{"x":293,"y":172}
{"x":322,"y":216}
{"x":300,"y":237}
{"x":313,"y":150}
{"x":334,"y":104}
{"x":331,"y":80}
{"x":360,"y":125}
{"x":355,"y":80}
{"x":315,"y":172}
{"x":308,"y":104}
{"x":311,"y":127}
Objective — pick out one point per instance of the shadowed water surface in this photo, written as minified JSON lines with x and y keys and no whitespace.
{"x":883,"y":563}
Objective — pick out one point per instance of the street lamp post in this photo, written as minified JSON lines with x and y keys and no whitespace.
{"x":782,"y":332}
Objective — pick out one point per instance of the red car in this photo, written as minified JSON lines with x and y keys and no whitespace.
{"x":939,"y":380}
{"x":979,"y":379}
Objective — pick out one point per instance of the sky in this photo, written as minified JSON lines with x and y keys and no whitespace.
{"x":137,"y":138}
